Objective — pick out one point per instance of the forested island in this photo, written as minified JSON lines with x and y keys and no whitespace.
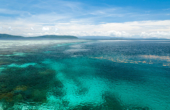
{"x":14,"y":37}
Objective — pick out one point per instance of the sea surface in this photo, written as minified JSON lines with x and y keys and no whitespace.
{"x":85,"y":75}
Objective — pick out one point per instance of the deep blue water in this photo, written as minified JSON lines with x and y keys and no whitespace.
{"x":89,"y":75}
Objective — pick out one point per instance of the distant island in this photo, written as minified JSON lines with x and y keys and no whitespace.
{"x":48,"y":37}
{"x":14,"y":37}
{"x":119,"y":38}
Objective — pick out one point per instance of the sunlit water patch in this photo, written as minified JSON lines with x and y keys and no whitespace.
{"x":23,"y":65}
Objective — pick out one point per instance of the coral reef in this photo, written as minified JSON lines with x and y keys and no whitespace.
{"x":25,"y":84}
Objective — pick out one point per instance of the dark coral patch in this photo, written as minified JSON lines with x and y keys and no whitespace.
{"x":25,"y":84}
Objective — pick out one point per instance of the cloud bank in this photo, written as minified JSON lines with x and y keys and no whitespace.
{"x":73,"y":18}
{"x":144,"y":29}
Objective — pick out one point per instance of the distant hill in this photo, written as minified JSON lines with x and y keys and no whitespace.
{"x":56,"y":37}
{"x":48,"y":37}
{"x":6,"y":36}
{"x":13,"y":37}
{"x":118,"y":38}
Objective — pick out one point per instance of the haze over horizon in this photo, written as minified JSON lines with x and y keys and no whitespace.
{"x":132,"y":18}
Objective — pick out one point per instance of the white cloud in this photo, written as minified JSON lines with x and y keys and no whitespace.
{"x":45,"y":28}
{"x":10,"y":28}
{"x":32,"y":28}
{"x":160,"y":28}
{"x":56,"y":29}
{"x":157,"y":34}
{"x":119,"y":34}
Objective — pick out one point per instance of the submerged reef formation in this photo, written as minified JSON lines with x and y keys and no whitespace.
{"x":31,"y":85}
{"x":4,"y":62}
{"x":111,"y":102}
{"x":28,"y":84}
{"x":61,"y":75}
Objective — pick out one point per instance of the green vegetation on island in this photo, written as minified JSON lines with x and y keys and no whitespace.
{"x":13,"y":37}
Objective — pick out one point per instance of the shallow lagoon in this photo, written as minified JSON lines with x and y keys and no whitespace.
{"x":84,"y":75}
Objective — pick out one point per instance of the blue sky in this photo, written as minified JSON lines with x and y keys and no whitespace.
{"x":114,"y":18}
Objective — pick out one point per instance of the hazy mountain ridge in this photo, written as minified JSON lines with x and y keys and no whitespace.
{"x":119,"y":38}
{"x":13,"y":37}
{"x":7,"y":36}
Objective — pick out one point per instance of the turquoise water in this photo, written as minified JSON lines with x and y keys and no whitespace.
{"x":88,"y":75}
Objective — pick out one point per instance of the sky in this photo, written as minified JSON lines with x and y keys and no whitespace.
{"x":112,"y":18}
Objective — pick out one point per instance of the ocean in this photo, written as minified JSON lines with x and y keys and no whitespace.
{"x":85,"y":75}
